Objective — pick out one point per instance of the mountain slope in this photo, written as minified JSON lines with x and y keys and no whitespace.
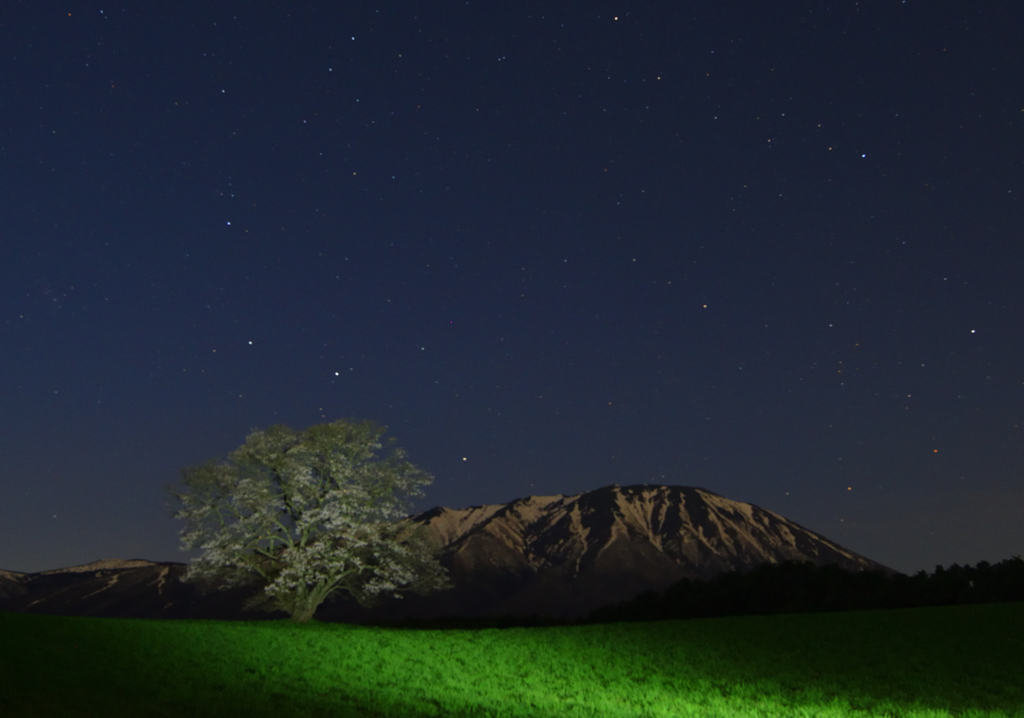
{"x":11,"y":585}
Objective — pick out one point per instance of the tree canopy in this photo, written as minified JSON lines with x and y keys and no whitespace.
{"x":310,"y":514}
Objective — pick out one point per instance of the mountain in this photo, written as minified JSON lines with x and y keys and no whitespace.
{"x":554,"y":556}
{"x":132,"y":588}
{"x":563,"y":556}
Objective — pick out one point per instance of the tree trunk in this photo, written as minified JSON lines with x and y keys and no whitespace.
{"x":303,"y":610}
{"x":307,"y":601}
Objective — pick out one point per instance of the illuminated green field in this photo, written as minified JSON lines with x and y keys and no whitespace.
{"x":952,"y":661}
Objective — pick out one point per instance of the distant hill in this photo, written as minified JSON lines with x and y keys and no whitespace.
{"x":119,"y":588}
{"x":550,"y":556}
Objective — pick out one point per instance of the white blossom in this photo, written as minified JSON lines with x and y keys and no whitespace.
{"x":309,"y":515}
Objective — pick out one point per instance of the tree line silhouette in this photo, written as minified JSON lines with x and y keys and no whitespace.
{"x":788,"y":587}
{"x":803,"y":587}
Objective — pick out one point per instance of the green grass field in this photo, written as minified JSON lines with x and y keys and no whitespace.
{"x":951,"y":661}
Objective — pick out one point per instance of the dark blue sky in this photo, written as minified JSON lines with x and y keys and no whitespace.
{"x":774,"y":252}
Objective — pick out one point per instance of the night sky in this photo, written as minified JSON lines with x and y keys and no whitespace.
{"x":771,"y":250}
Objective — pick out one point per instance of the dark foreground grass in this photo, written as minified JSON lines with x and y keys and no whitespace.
{"x":929,"y":662}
